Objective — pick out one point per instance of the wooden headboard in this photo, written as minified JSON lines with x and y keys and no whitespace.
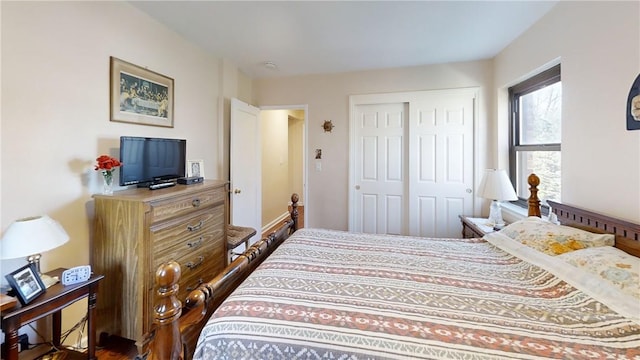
{"x":627,"y":233}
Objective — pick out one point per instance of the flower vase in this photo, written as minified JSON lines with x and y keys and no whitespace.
{"x":107,"y":186}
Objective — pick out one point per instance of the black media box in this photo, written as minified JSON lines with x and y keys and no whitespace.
{"x":190,"y":180}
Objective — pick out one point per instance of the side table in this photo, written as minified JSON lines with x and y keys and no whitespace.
{"x":474,"y":227}
{"x":56,"y":298}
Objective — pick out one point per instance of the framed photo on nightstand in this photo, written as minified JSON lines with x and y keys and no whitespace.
{"x":26,"y":283}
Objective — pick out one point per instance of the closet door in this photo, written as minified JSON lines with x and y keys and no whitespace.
{"x":411,"y":168}
{"x":380,"y":152}
{"x":440,"y":162}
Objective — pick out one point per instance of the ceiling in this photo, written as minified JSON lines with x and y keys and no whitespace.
{"x":311,"y":37}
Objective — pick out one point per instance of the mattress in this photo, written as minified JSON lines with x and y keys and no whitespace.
{"x":327,"y":294}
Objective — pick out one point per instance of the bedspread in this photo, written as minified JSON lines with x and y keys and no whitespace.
{"x":337,"y":295}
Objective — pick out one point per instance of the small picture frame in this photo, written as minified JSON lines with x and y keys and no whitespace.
{"x":26,"y":283}
{"x":195,"y":168}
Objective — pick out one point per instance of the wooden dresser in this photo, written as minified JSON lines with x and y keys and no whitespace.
{"x":136,"y":230}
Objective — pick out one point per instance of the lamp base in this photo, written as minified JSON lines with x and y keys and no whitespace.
{"x":495,"y":215}
{"x":47,"y":280}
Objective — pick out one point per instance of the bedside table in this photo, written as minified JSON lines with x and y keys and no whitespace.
{"x":474,"y":227}
{"x":56,"y":298}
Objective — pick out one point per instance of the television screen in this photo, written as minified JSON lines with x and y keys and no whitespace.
{"x":151,"y":160}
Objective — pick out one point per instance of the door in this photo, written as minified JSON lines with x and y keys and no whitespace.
{"x":380,"y":173}
{"x":441,"y":162}
{"x":245,"y":171}
{"x":412,"y":162}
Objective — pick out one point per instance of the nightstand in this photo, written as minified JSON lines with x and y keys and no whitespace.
{"x":474,"y":227}
{"x":56,"y":298}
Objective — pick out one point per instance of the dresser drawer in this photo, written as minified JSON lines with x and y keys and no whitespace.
{"x":187,"y":250}
{"x":185,"y":231}
{"x":198,"y":263}
{"x":169,"y":208}
{"x":206,"y":266}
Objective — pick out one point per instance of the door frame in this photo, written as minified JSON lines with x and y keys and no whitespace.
{"x":405,"y":97}
{"x":305,"y":134}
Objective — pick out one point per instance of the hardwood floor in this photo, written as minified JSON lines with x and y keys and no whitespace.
{"x":116,"y":348}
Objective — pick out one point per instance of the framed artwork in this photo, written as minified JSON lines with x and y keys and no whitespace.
{"x":26,"y":283}
{"x":195,"y":168}
{"x":633,"y":106}
{"x":140,"y":96}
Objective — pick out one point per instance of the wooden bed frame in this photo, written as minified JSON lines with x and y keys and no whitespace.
{"x":177,"y":327}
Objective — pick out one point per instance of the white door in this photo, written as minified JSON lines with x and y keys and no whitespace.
{"x":380,"y":173}
{"x":441,"y":162}
{"x":245,"y":167}
{"x":412,"y":162}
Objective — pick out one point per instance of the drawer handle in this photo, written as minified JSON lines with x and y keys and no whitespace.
{"x":195,"y":227}
{"x":192,"y":265}
{"x":195,"y":202}
{"x":195,"y":244}
{"x":191,"y":288}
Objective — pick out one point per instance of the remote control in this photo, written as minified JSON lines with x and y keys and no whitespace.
{"x":161,"y":185}
{"x":76,"y":274}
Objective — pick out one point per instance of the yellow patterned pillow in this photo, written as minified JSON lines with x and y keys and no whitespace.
{"x":611,"y":264}
{"x":553,"y":239}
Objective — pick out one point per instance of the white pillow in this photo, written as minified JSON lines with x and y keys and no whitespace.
{"x":611,"y":264}
{"x":553,"y":239}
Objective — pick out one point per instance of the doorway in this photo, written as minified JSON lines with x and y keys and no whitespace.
{"x":283,"y":134}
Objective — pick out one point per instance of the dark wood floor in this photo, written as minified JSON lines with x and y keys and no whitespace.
{"x":117,"y":349}
{"x":124,"y":349}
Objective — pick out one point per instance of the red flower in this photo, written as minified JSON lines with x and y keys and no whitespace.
{"x":107,"y":163}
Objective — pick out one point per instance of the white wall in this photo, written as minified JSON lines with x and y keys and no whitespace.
{"x":328,"y":99}
{"x":275,"y":164}
{"x":55,"y":110}
{"x":598,"y":46}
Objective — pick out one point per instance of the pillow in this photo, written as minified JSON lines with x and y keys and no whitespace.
{"x":611,"y":264}
{"x":553,"y":239}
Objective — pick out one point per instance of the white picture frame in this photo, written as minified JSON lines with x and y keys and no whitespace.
{"x":195,"y":168}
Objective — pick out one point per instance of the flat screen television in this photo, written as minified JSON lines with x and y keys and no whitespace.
{"x":148,"y":161}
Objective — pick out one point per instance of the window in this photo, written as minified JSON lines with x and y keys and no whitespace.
{"x":536,"y":109}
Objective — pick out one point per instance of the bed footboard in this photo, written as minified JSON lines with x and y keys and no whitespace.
{"x":176,"y":326}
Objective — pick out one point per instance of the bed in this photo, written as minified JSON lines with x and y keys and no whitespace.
{"x":530,"y":291}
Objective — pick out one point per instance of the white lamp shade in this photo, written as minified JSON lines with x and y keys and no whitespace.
{"x":495,"y":185}
{"x":30,"y":236}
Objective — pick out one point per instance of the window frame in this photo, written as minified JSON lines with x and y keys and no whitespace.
{"x":534,"y":83}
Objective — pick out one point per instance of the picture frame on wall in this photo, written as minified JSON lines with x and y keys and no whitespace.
{"x":195,"y":168}
{"x":139,"y":95}
{"x":26,"y":283}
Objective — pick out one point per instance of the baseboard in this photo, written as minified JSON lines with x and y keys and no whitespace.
{"x":275,"y":222}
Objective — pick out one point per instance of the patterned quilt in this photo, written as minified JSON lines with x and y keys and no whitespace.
{"x":337,"y":295}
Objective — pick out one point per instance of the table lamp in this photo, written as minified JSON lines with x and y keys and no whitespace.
{"x":496,"y":186}
{"x":31,"y":236}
